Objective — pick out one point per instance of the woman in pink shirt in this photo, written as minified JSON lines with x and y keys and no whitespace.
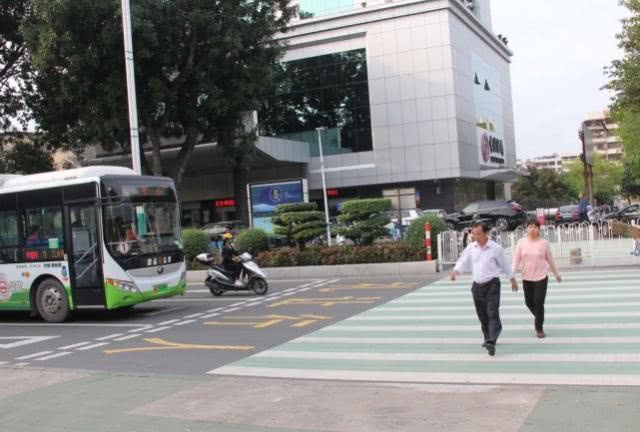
{"x":533,"y":254}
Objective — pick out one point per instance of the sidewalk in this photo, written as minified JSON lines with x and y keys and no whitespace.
{"x":61,"y":401}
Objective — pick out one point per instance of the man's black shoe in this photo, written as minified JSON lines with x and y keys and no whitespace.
{"x":491,"y":349}
{"x":484,"y":344}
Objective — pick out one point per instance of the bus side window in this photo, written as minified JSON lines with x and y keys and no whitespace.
{"x":8,"y":236}
{"x":43,"y":228}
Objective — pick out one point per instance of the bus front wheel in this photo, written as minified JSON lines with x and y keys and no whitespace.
{"x":52,"y":301}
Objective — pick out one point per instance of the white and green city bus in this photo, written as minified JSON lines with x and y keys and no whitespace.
{"x":94,"y":236}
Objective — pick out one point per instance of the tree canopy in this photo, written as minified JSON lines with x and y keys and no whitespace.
{"x":624,"y":82}
{"x":541,"y":188}
{"x":16,"y":74}
{"x":200,"y":65}
{"x":21,"y":155}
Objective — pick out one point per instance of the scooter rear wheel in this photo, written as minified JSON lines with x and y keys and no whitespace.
{"x":215,"y":289}
{"x":259,"y":286}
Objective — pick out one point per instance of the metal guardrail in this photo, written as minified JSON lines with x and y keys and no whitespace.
{"x":590,"y":238}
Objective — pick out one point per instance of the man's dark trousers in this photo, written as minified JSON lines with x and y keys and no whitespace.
{"x":486,"y":298}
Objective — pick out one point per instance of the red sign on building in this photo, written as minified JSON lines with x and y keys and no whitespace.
{"x":224,"y":203}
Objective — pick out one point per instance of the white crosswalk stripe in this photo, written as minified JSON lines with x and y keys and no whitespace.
{"x":592,"y":320}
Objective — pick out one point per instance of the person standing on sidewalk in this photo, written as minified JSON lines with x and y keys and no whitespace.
{"x":533,"y":254}
{"x":583,"y":208}
{"x":485,"y":259}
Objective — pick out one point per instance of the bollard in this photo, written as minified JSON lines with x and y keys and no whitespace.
{"x":427,"y":240}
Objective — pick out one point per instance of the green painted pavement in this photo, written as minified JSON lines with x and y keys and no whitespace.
{"x":582,"y":409}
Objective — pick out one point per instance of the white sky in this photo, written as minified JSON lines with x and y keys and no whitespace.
{"x":560,"y":48}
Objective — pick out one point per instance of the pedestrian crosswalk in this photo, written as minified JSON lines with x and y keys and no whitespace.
{"x":432,"y":335}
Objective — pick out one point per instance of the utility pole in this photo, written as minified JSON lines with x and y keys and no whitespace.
{"x":131,"y":88}
{"x":319,"y":130}
{"x":587,"y":171}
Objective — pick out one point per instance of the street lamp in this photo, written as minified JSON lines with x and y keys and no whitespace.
{"x":319,"y":130}
{"x":131,"y":88}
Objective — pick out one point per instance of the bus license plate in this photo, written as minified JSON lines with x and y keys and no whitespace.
{"x":160,"y":287}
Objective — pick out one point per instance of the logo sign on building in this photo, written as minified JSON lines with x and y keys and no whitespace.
{"x":265,"y":197}
{"x":491,"y":149}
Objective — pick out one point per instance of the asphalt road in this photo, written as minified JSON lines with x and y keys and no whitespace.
{"x":195,"y":333}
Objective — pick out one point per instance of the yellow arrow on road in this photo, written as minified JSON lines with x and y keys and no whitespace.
{"x":166,"y":345}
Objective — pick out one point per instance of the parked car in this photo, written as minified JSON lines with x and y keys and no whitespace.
{"x":501,"y":214}
{"x":441,"y":213}
{"x":408,"y":216}
{"x":567,"y":214}
{"x":216,"y":229}
{"x":627,"y":214}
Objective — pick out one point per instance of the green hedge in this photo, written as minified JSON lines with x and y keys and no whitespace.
{"x":296,"y":207}
{"x":255,"y":240}
{"x":339,"y":255}
{"x":195,"y":242}
{"x":414,"y":237}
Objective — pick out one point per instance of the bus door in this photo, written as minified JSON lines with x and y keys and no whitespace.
{"x":85,"y":257}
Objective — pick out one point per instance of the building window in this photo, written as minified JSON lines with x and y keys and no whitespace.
{"x":315,"y":8}
{"x":331,"y":91}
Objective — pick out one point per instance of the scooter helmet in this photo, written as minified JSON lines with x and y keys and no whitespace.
{"x":227,"y":236}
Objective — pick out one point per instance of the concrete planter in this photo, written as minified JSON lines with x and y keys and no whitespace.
{"x":351,"y":270}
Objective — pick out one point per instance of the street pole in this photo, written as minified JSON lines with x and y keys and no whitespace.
{"x":606,"y":140}
{"x":131,"y":88}
{"x":324,"y":185}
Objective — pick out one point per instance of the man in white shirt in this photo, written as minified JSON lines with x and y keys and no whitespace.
{"x":485,"y":259}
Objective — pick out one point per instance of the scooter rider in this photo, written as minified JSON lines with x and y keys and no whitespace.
{"x":230,"y":256}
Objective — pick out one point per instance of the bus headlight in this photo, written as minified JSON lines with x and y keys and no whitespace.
{"x":123,"y":285}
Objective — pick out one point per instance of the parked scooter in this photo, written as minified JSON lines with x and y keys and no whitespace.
{"x":219,"y":280}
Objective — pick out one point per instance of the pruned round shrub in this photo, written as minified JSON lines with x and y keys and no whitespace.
{"x":363,"y":221}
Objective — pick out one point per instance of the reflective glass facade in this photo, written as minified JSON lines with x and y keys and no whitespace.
{"x":331,"y":91}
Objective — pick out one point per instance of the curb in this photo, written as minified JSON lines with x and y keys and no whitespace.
{"x":351,"y":270}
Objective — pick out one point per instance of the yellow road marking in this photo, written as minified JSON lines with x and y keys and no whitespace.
{"x":326,"y":302}
{"x":166,"y":345}
{"x":266,"y":321}
{"x":395,"y":285}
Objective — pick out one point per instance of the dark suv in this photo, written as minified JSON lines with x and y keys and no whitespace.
{"x":627,"y":214}
{"x":504,"y":215}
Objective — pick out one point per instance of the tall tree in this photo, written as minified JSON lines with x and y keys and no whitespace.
{"x":607,"y":179}
{"x":16,"y":74}
{"x":200,"y":66}
{"x":541,"y":188}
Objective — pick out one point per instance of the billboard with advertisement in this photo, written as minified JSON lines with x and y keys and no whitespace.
{"x":264,"y":197}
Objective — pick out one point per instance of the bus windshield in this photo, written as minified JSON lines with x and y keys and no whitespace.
{"x":140,"y":220}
